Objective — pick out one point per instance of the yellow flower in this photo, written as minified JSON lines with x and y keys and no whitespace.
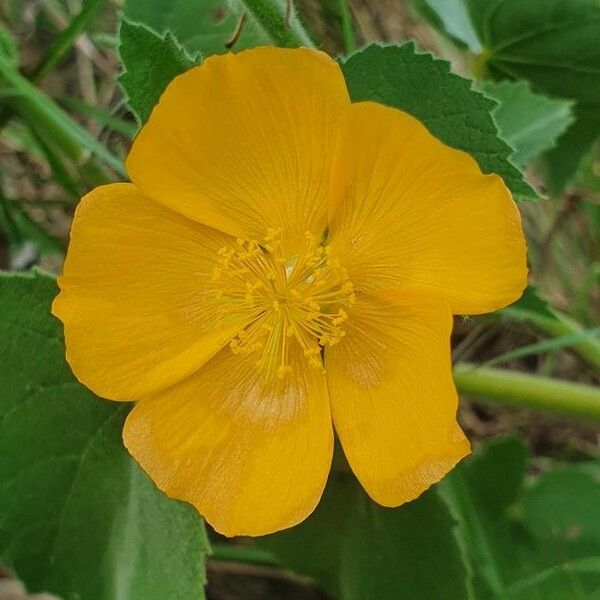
{"x":284,"y":262}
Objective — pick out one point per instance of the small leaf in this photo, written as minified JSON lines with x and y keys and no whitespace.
{"x":529,"y":122}
{"x":426,"y":88}
{"x":531,"y":305}
{"x":150,"y":62}
{"x":78,"y":517}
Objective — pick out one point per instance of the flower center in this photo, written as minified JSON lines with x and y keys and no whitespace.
{"x":280,"y":298}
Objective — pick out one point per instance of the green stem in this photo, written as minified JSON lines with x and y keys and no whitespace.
{"x":347,"y":30}
{"x":65,"y":41}
{"x":522,"y":390}
{"x":560,"y":325}
{"x":278,"y":20}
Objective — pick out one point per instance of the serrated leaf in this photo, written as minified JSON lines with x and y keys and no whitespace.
{"x":552,"y":44}
{"x":78,"y":517}
{"x":425,"y":87}
{"x":403,"y":553}
{"x":531,"y":123}
{"x":150,"y":61}
{"x":203,"y":26}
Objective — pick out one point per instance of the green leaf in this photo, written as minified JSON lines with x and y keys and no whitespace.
{"x":529,"y":122}
{"x":404,"y":553}
{"x":531,"y":304}
{"x":564,"y":504}
{"x":150,"y":62}
{"x":451,"y":18}
{"x":425,"y":87}
{"x":204,"y":26}
{"x":561,"y":163}
{"x":553,"y":44}
{"x":78,"y":517}
{"x":357,"y":550}
{"x":525,"y":543}
{"x":480,"y":492}
{"x":561,"y":511}
{"x":322,"y":563}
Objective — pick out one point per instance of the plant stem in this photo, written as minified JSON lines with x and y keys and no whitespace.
{"x":347,"y":30}
{"x":522,"y":390}
{"x":560,"y":325}
{"x":278,"y":20}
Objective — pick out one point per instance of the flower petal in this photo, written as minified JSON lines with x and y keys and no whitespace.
{"x":244,"y":142}
{"x":392,"y":395}
{"x":136,"y":294}
{"x":408,"y":210}
{"x":252,"y":457}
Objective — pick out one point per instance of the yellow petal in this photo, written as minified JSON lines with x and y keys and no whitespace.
{"x":252,"y":457}
{"x":244,"y":142}
{"x":408,"y":210}
{"x":136,"y":294}
{"x":392,"y":395}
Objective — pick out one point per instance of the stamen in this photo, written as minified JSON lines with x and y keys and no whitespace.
{"x":280,"y":299}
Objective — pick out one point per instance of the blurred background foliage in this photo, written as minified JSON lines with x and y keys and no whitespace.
{"x":521,"y":519}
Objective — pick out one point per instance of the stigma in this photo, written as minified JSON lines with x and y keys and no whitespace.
{"x":282,"y":297}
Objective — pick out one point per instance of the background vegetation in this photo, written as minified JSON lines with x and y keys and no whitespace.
{"x":520,"y":520}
